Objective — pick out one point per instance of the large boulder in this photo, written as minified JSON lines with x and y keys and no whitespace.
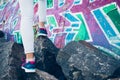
{"x":11,"y":59}
{"x":45,"y":53}
{"x":39,"y":75}
{"x":82,"y":61}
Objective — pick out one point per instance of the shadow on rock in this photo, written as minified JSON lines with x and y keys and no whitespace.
{"x":46,"y":52}
{"x":11,"y":59}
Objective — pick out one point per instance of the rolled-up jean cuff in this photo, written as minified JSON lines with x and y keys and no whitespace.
{"x":28,"y":52}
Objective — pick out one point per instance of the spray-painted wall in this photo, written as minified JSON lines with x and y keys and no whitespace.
{"x":96,"y":21}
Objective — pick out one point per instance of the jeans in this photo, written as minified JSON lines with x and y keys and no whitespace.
{"x":26,"y":28}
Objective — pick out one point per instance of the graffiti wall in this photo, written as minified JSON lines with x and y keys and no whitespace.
{"x":95,"y":21}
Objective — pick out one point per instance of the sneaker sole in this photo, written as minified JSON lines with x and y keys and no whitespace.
{"x":41,"y":34}
{"x":29,"y":70}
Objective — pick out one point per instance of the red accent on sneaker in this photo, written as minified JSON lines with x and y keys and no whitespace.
{"x":32,"y":62}
{"x":42,"y":28}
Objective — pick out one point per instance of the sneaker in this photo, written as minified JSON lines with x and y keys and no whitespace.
{"x":29,"y":67}
{"x":42,"y":32}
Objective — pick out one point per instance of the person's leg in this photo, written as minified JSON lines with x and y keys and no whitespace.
{"x":42,"y":17}
{"x":26,"y":29}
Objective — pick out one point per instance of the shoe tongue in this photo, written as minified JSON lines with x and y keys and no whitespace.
{"x":42,"y":28}
{"x":32,"y":62}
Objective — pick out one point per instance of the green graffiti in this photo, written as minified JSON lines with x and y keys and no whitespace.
{"x":113,"y":14}
{"x":17,"y":37}
{"x":51,"y":21}
{"x":2,"y":5}
{"x":109,"y":8}
{"x":82,"y":31}
{"x":35,"y":1}
{"x":49,"y":3}
{"x":3,"y":1}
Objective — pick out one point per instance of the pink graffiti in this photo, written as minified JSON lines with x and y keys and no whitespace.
{"x":60,"y":40}
{"x":61,"y":21}
{"x":86,"y":7}
{"x":56,"y":11}
{"x":11,"y":17}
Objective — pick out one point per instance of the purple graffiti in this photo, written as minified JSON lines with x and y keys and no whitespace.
{"x":86,"y":8}
{"x":11,"y":17}
{"x":56,"y":11}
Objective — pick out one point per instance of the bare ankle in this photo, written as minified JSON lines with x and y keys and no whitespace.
{"x":29,"y":55}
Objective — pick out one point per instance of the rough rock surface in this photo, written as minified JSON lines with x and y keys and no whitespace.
{"x":11,"y":59}
{"x":46,"y":52}
{"x":77,"y":60}
{"x":81,"y":61}
{"x":39,"y":75}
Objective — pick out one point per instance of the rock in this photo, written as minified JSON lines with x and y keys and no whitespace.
{"x":114,"y":79}
{"x":81,"y":61}
{"x":45,"y":53}
{"x":11,"y":59}
{"x":115,"y":75}
{"x":39,"y":75}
